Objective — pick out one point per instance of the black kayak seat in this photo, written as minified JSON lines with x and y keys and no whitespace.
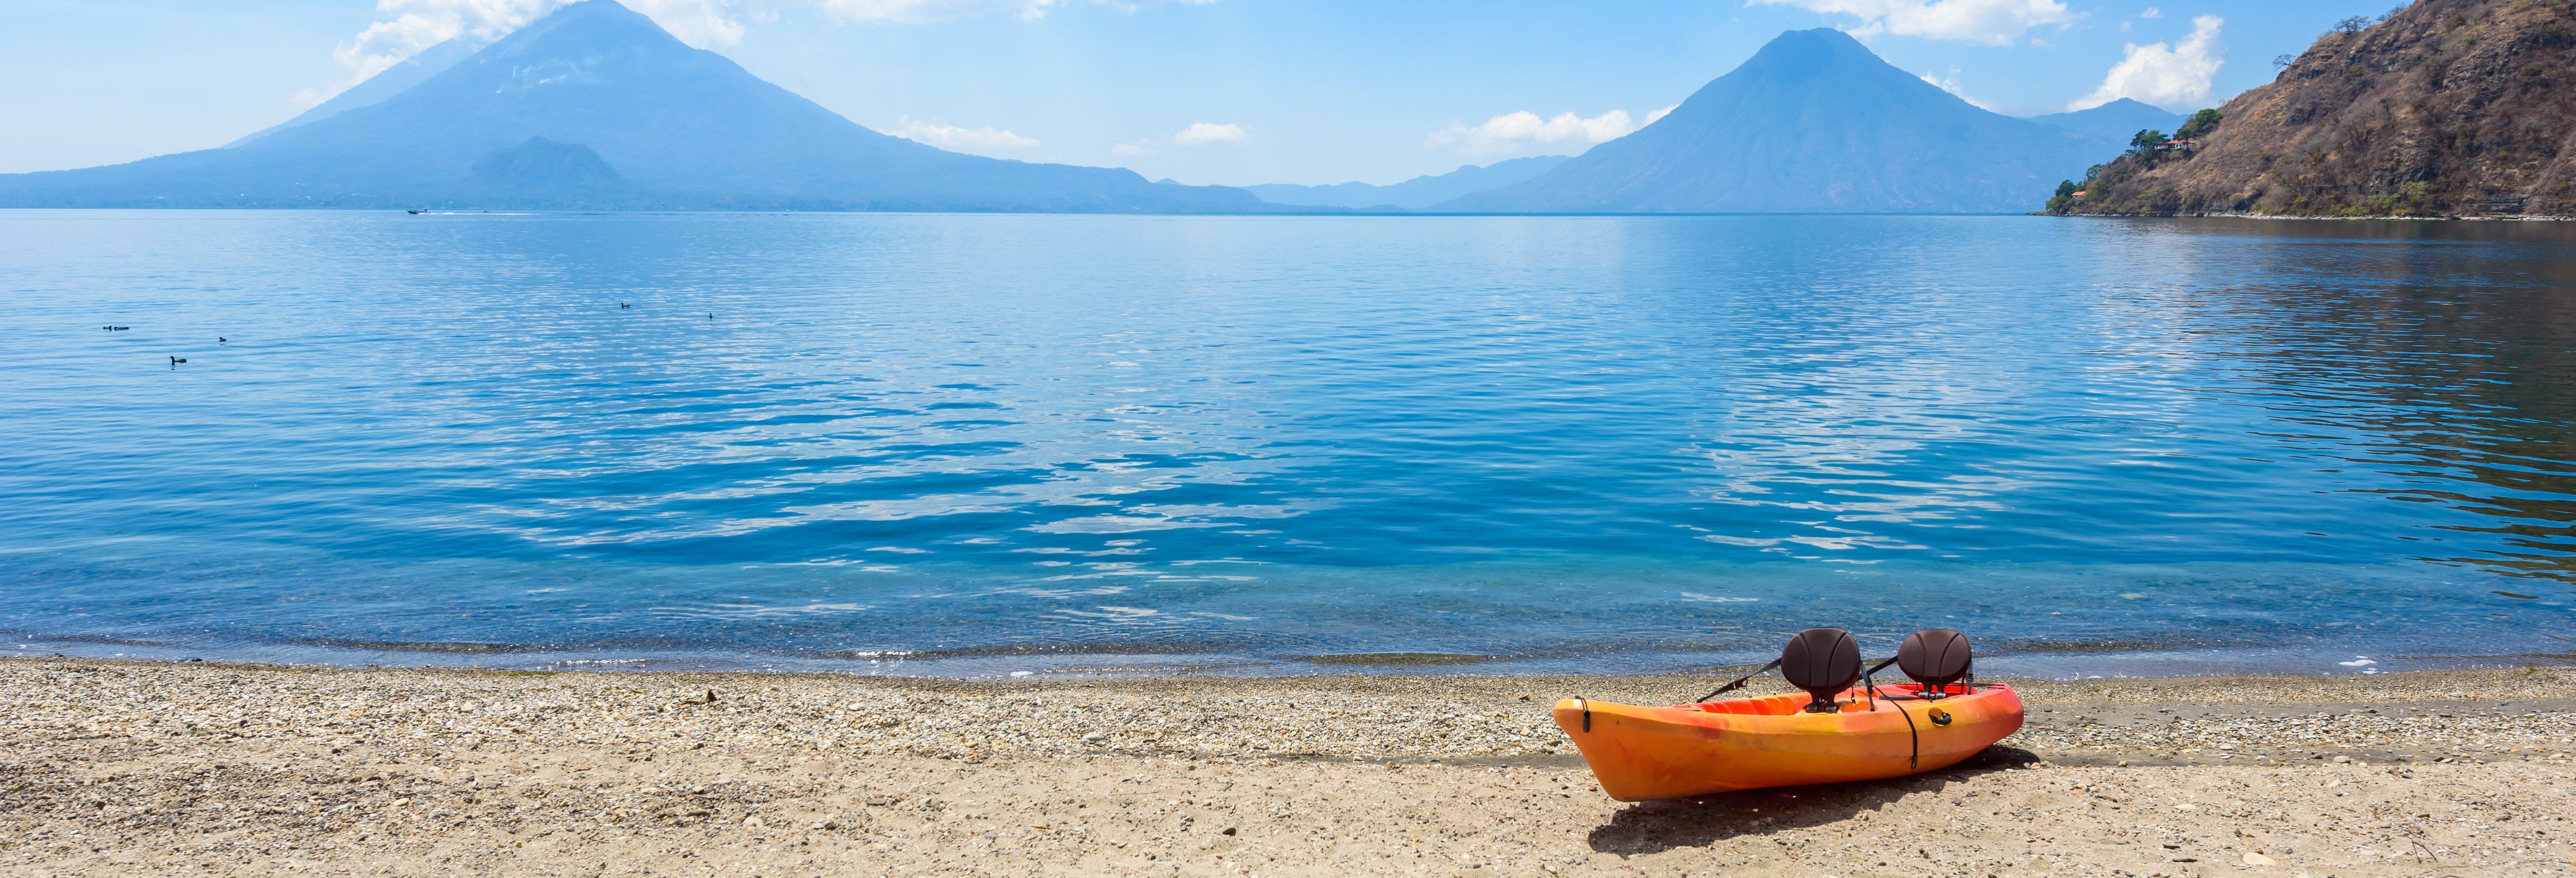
{"x":1823,"y":661}
{"x":1935,"y":657}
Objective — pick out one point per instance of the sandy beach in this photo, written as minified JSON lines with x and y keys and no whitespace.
{"x":128,"y":768}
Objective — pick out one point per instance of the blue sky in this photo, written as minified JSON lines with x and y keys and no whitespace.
{"x":1205,"y":91}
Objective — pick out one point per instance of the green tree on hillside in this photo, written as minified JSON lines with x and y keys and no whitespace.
{"x":2201,"y":123}
{"x":2065,"y":196}
{"x":2145,"y":143}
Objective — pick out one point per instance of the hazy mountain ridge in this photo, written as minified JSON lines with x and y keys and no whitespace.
{"x":2117,"y":121}
{"x":2444,"y":108}
{"x":1419,"y":192}
{"x":679,"y":127}
{"x":542,"y":165}
{"x":1814,"y":122}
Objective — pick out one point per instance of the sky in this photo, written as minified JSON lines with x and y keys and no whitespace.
{"x":1231,"y":92}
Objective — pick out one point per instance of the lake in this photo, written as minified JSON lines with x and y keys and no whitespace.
{"x":993,"y":445}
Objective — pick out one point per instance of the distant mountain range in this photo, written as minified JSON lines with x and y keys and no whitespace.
{"x":1419,"y":192}
{"x":595,"y":106}
{"x":2116,"y":121}
{"x":1812,"y":123}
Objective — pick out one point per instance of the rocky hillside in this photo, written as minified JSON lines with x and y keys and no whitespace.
{"x":2442,"y":108}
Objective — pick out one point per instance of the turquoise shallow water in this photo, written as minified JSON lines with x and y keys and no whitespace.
{"x":964,"y":444}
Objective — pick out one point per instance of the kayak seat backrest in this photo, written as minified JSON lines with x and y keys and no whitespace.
{"x":1823,"y":661}
{"x":1934,"y":657}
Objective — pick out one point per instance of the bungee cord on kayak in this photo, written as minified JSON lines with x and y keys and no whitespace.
{"x":1740,"y":681}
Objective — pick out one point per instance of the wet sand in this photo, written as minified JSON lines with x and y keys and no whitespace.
{"x":127,"y":768}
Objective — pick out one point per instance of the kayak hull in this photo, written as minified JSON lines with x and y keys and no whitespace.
{"x":1640,"y":753}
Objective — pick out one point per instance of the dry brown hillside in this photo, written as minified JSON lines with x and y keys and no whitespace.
{"x":2443,"y":108}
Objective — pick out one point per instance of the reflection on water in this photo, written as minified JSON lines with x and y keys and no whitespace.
{"x":1567,"y":443}
{"x":2453,"y":362}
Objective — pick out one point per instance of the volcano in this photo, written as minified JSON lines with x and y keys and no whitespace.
{"x":1813,"y":123}
{"x":596,"y":106}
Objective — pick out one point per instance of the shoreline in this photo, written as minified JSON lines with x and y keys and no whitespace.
{"x":2107,"y":661}
{"x":120,"y":767}
{"x":2484,"y":217}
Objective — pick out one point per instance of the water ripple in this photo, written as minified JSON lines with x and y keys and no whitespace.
{"x":1627,"y":442}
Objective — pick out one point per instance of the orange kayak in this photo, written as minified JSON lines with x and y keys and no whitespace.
{"x":1642,"y":753}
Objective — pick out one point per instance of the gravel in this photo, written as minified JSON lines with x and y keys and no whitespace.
{"x":116,"y":768}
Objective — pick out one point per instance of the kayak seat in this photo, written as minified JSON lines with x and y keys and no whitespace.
{"x":1935,"y":657}
{"x":1823,"y":661}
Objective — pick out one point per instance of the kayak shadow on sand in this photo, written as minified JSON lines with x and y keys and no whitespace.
{"x":1651,"y":827}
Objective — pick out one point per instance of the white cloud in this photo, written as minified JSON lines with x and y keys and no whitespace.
{"x":700,"y":23}
{"x":1658,"y":115}
{"x":1950,"y":84}
{"x":1993,"y":22}
{"x":1523,"y":130}
{"x":404,"y":27}
{"x":1211,"y":132}
{"x":2165,"y":75}
{"x":2152,"y":12}
{"x":1198,"y":134}
{"x":409,"y":26}
{"x":944,"y":136}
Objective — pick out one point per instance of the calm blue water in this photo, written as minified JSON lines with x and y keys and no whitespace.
{"x":1057,"y":444}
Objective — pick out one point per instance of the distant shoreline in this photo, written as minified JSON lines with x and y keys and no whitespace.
{"x":1290,"y":211}
{"x":2267,"y":216}
{"x":1107,"y":665}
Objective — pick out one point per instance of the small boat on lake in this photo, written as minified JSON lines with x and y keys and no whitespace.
{"x":1834,"y":732}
